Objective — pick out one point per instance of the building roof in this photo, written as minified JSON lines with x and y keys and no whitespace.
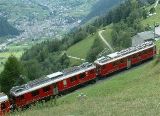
{"x":50,"y":79}
{"x":3,"y":97}
{"x":157,"y":31}
{"x":123,"y":53}
{"x":143,"y":37}
{"x":54,"y":75}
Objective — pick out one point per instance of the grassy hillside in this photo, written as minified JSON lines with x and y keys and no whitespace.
{"x":13,"y":49}
{"x":155,"y":18}
{"x":81,"y":49}
{"x":133,"y":92}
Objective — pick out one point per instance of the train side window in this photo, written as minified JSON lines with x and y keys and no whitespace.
{"x":3,"y":106}
{"x":72,"y":79}
{"x":144,"y":52}
{"x":115,"y":63}
{"x":21,"y":97}
{"x":35,"y":93}
{"x":121,"y":61}
{"x":82,"y":75}
{"x":103,"y":67}
{"x":92,"y":71}
{"x":150,"y":50}
{"x":134,"y":56}
{"x":46,"y":89}
{"x":147,"y":51}
{"x":141,"y":53}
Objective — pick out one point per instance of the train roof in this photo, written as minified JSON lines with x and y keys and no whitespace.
{"x":3,"y":97}
{"x":124,"y":53}
{"x":50,"y":79}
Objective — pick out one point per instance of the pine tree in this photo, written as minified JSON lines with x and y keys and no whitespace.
{"x":11,"y":75}
{"x":32,"y":69}
{"x":152,"y":10}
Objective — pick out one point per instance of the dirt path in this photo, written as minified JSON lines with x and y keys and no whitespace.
{"x":75,"y":58}
{"x":100,"y":34}
{"x":156,"y":3}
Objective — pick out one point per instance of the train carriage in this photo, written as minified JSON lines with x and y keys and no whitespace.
{"x":53,"y":84}
{"x":4,"y":104}
{"x":125,"y":58}
{"x":76,"y":76}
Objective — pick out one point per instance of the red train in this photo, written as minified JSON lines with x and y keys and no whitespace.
{"x":4,"y":104}
{"x":70,"y":79}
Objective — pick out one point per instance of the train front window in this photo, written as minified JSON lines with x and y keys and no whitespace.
{"x":3,"y":106}
{"x":82,"y":75}
{"x":21,"y":97}
{"x":46,"y":89}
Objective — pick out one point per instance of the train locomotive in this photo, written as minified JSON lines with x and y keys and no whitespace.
{"x":72,"y":78}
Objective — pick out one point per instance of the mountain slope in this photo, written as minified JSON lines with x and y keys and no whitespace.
{"x":6,"y":28}
{"x":101,"y":8}
{"x":154,"y":18}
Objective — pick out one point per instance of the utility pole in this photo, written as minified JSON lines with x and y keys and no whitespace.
{"x":154,"y":30}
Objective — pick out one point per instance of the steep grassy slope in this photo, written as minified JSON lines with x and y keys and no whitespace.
{"x":153,"y":19}
{"x":101,"y":7}
{"x":81,"y":48}
{"x":133,"y":92}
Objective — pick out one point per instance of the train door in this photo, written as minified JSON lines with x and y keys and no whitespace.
{"x":128,"y":63}
{"x":154,"y":51}
{"x":98,"y":68}
{"x":55,"y":89}
{"x":65,"y":83}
